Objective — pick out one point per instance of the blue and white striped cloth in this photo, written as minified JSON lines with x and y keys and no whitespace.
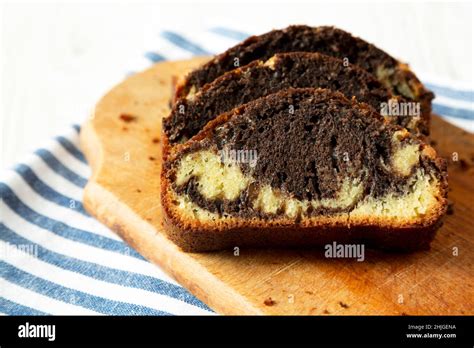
{"x":56,"y":259}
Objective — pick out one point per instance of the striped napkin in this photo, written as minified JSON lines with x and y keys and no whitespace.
{"x":56,"y":259}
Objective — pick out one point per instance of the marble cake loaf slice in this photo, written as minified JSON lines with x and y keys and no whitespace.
{"x":303,"y":167}
{"x":282,"y":71}
{"x":326,"y":40}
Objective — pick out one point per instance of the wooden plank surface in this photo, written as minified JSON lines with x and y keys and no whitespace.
{"x":123,"y":193}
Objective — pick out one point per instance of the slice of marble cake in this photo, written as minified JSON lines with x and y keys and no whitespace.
{"x":303,"y":167}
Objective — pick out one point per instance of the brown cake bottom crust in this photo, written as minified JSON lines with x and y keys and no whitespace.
{"x":407,"y":239}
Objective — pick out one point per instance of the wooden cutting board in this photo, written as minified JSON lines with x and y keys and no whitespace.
{"x":121,"y":141}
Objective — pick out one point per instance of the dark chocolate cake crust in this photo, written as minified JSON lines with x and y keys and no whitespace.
{"x":284,"y":70}
{"x":326,"y":40}
{"x":328,"y":168}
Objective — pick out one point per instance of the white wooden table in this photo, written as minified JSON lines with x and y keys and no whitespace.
{"x":56,"y":60}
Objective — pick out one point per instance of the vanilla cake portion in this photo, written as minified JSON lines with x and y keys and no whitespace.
{"x":327,"y":40}
{"x":284,"y":70}
{"x":303,"y":167}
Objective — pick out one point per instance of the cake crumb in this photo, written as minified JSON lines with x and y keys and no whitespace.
{"x":269,"y":302}
{"x":127,"y":118}
{"x":343,"y":305}
{"x":156,"y":140}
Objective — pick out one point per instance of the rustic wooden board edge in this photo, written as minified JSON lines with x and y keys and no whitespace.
{"x":142,"y":236}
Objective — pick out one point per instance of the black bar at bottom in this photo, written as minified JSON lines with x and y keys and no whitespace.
{"x":426,"y":330}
